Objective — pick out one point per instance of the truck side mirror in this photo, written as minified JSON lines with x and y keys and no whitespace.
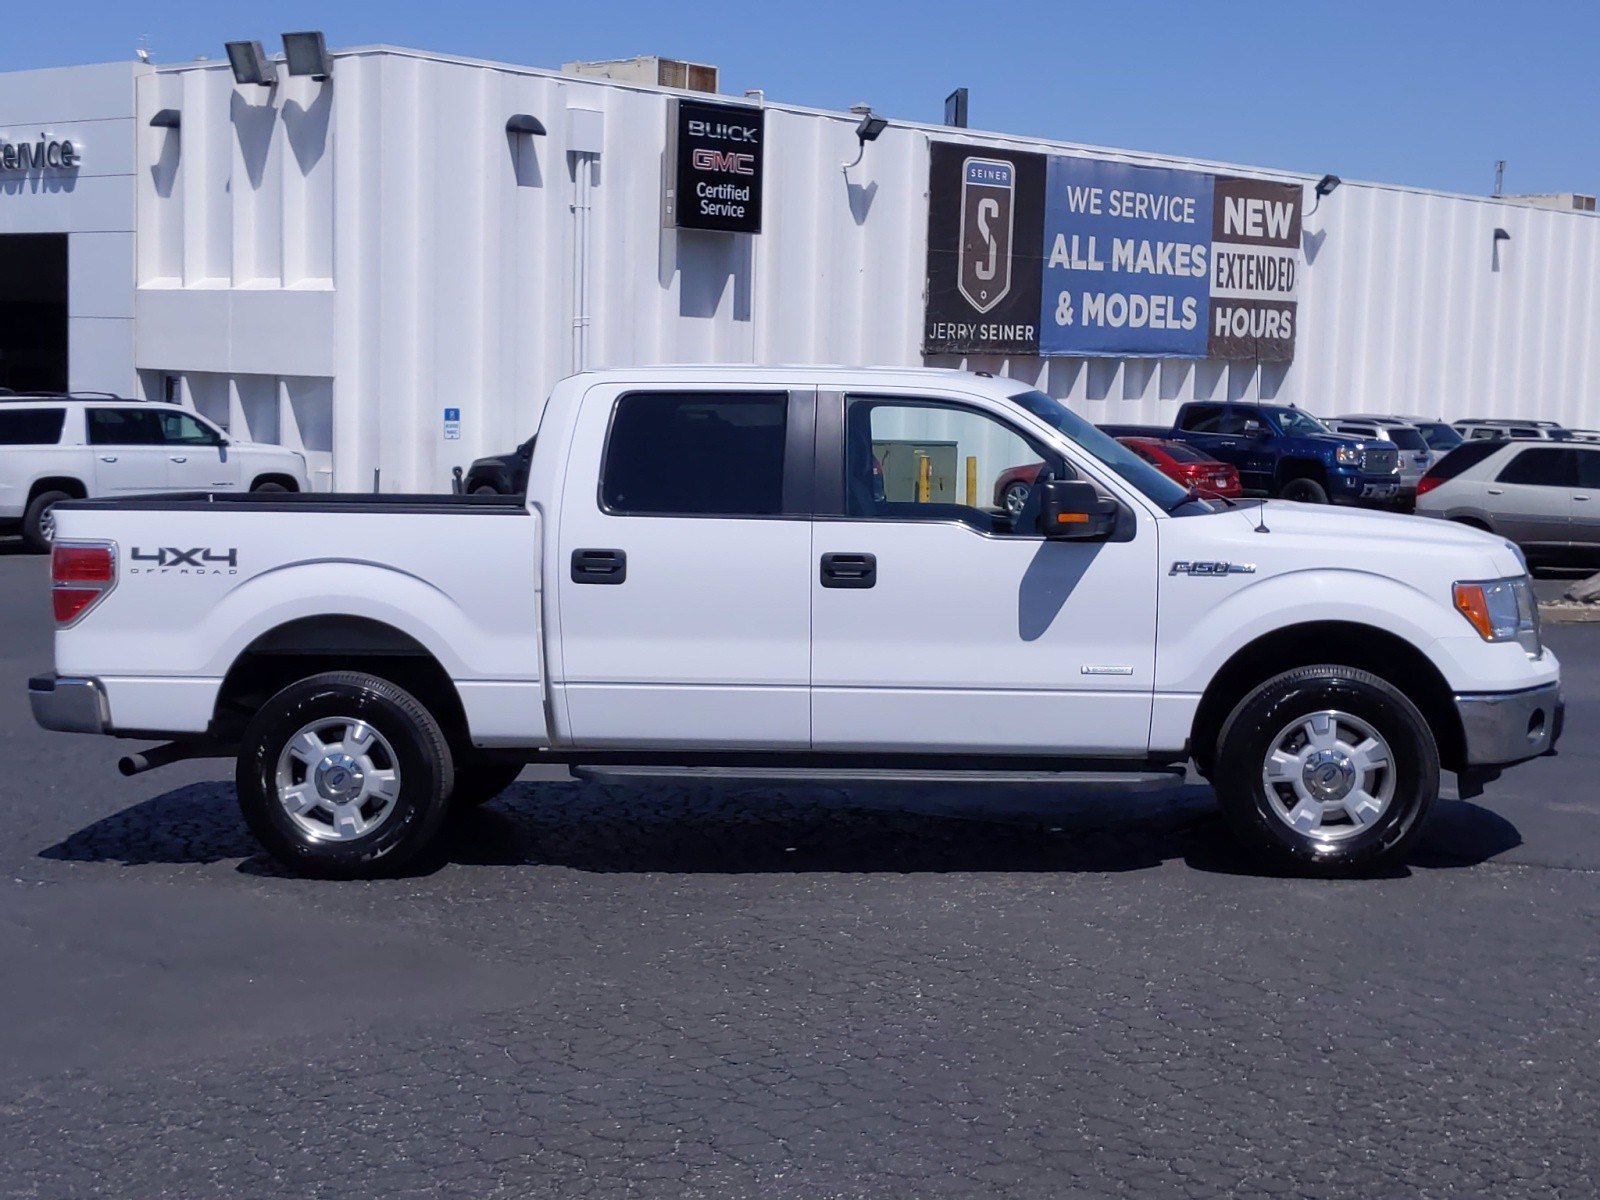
{"x":1071,"y":510}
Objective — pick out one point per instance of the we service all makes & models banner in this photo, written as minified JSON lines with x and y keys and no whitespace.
{"x":1080,"y":256}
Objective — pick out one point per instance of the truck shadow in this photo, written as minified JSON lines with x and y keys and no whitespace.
{"x":722,"y":828}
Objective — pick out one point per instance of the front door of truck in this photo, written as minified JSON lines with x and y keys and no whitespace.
{"x":683,"y":578}
{"x":937,"y":627}
{"x":197,"y":455}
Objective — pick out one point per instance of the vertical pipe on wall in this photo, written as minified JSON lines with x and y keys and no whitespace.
{"x":582,"y":190}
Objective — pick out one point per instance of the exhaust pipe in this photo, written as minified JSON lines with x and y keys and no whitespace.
{"x":162,"y":756}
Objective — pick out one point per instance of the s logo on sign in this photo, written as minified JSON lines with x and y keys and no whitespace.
{"x":988,"y":194}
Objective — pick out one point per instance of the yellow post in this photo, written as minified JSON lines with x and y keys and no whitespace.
{"x":924,"y":479}
{"x":972,"y":481}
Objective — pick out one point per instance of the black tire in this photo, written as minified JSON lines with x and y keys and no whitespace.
{"x":1347,"y":848}
{"x":1304,"y":491}
{"x":485,"y":489}
{"x":478,"y":784}
{"x":270,"y":485}
{"x":420,"y":755}
{"x":36,"y":532}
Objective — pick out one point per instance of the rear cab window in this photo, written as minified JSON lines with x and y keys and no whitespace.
{"x":31,"y":426}
{"x":696,"y":454}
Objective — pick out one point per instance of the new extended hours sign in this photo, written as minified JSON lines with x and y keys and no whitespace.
{"x":1080,"y":256}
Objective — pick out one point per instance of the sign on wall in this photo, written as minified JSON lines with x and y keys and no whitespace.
{"x":40,"y":154}
{"x":715,"y":156}
{"x":984,"y":228}
{"x":1081,"y":256}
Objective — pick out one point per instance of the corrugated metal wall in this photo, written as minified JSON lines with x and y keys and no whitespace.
{"x":385,"y":233}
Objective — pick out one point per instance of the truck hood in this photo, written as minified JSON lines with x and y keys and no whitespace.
{"x":1368,"y":537}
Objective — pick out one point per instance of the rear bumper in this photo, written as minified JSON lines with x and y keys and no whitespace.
{"x":69,"y":705}
{"x":1502,"y":728}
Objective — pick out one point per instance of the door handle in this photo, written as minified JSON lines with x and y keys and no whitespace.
{"x":1495,"y":491}
{"x":599,"y":566}
{"x":1581,"y":499}
{"x":108,"y":458}
{"x":178,"y":458}
{"x":849,"y":570}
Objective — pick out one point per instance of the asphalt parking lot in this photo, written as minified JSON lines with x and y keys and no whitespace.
{"x":715,"y":990}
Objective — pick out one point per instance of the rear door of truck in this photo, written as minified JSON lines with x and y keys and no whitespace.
{"x":684,"y":574}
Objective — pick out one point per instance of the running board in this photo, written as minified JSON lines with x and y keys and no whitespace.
{"x":1140,"y":778}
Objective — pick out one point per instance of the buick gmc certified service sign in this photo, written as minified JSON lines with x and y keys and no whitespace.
{"x":715,"y":157}
{"x":1089,"y":257}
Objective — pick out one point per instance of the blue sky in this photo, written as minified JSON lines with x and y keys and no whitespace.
{"x":1427,"y":93}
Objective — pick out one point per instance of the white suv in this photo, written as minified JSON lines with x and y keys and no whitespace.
{"x":83,"y":445}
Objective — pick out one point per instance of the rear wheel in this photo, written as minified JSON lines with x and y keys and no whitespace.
{"x":1304,"y":491}
{"x":39,"y":523}
{"x":1327,"y":770}
{"x":344,"y":775}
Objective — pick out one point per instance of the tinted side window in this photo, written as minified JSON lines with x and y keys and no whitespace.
{"x":32,"y":426}
{"x":696,"y":454}
{"x":1468,"y":454}
{"x":1203,"y":418}
{"x":124,"y":427}
{"x":1543,"y":468}
{"x":1588,"y":468}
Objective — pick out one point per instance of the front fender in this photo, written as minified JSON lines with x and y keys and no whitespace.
{"x":1199,"y":630}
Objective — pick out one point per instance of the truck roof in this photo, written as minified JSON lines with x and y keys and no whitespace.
{"x":726,"y":373}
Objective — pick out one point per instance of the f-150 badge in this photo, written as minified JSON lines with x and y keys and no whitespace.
{"x":1211,"y":569}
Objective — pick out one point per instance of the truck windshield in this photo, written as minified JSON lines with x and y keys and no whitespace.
{"x":1169,"y":495}
{"x":1295,"y":423}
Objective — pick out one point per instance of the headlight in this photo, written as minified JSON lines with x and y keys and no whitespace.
{"x":1502,"y":610}
{"x":1349,"y":456}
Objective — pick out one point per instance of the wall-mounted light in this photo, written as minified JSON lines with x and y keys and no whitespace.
{"x":1325,"y":187}
{"x":167,"y":118}
{"x":869,"y":129}
{"x":524,"y":123}
{"x":307,"y":54}
{"x":251,"y":65}
{"x":1500,"y":235}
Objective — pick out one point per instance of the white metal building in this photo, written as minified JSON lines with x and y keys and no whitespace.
{"x":333,"y":265}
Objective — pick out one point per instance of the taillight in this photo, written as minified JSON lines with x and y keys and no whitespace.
{"x":81,"y":573}
{"x":1427,"y":483}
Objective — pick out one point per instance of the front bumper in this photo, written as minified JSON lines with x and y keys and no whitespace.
{"x":1501,"y":728}
{"x":1350,"y":486}
{"x":69,"y":705}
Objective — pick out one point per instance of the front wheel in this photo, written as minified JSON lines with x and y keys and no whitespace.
{"x":1327,"y":770}
{"x":1304,"y":491}
{"x":344,"y":775}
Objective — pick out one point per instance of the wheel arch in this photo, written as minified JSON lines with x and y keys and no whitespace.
{"x":58,"y":483}
{"x":1343,"y":643}
{"x":308,"y":646}
{"x":1297,"y":467}
{"x":286,"y":481}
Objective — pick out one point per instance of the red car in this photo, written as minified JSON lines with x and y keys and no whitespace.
{"x":1177,"y":461}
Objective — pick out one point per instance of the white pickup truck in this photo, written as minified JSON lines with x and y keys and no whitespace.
{"x":797,"y":572}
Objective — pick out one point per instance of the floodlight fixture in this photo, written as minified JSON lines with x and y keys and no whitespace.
{"x":307,"y":54}
{"x":250,"y":64}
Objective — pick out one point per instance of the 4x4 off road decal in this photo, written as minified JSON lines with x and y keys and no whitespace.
{"x":988,"y":204}
{"x":175,"y":560}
